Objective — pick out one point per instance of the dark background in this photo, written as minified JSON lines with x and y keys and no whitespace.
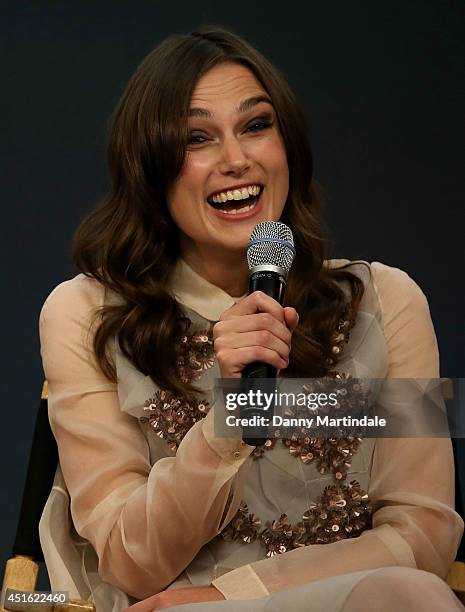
{"x":381,"y":84}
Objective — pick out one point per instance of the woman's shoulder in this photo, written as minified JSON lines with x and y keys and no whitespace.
{"x":395,"y":289}
{"x":396,"y":286}
{"x":387,"y":279}
{"x":79,"y":295}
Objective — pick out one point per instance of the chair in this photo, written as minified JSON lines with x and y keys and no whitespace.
{"x":21,"y":571}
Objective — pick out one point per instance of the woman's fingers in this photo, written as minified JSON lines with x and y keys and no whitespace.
{"x":253,"y":322}
{"x":257,"y":328}
{"x":291,"y":317}
{"x":232,"y":362}
{"x":261,"y":337}
{"x":253,"y":303}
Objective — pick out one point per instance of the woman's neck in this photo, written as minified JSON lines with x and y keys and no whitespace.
{"x":228,"y":271}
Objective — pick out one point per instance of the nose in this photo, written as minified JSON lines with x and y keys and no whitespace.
{"x":233,"y":158}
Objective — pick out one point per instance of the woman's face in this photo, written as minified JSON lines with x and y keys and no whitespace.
{"x":234,"y":143}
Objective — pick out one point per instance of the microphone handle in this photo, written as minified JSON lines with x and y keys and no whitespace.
{"x":273,"y":284}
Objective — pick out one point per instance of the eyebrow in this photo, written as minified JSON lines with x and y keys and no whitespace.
{"x":243,"y":107}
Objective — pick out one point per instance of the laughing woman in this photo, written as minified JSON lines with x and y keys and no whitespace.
{"x":207,"y":141}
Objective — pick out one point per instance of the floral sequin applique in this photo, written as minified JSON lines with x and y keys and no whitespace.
{"x":171,"y":415}
{"x":343,"y":511}
{"x":196,"y":353}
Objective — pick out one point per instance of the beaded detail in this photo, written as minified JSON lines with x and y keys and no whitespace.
{"x":342,"y":512}
{"x":341,"y":336}
{"x":323,"y":449}
{"x":196,"y":353}
{"x":171,"y":416}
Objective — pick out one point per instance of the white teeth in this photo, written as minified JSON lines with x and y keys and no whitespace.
{"x":236,"y":194}
{"x":235,"y":211}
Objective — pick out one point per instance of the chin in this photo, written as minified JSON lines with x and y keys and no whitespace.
{"x":230,"y":244}
{"x":236,"y":245}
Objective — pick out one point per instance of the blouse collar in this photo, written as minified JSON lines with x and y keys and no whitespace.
{"x":203,"y":297}
{"x":199,"y":294}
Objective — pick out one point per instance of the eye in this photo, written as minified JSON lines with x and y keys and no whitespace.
{"x":262,"y":124}
{"x":257,"y":125}
{"x":192,"y":139}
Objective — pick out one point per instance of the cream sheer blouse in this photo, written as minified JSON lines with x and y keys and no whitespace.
{"x":128,"y":517}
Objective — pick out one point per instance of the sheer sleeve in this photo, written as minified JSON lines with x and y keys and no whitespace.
{"x":411,"y":480}
{"x":145,"y":522}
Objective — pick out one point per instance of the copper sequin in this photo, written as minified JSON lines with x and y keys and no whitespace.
{"x":196,"y":353}
{"x":244,"y":526}
{"x":328,"y":453}
{"x":171,"y":416}
{"x":341,"y":336}
{"x":342,"y":512}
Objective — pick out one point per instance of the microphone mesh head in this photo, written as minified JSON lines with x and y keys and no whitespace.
{"x":271,"y":243}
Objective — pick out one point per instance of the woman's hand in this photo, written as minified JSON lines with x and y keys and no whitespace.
{"x":177,"y":597}
{"x":257,"y":328}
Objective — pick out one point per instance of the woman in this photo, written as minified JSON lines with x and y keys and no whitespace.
{"x":148,"y":502}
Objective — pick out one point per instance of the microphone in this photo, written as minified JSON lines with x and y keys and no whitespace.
{"x":270,"y":254}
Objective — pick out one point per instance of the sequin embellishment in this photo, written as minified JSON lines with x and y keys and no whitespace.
{"x":342,"y":512}
{"x":196,"y":353}
{"x":169,"y":415}
{"x":172,"y":416}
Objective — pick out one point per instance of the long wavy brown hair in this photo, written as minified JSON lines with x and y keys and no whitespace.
{"x":129,"y":243}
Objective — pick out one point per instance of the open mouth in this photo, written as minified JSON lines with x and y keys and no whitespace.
{"x":234,"y":207}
